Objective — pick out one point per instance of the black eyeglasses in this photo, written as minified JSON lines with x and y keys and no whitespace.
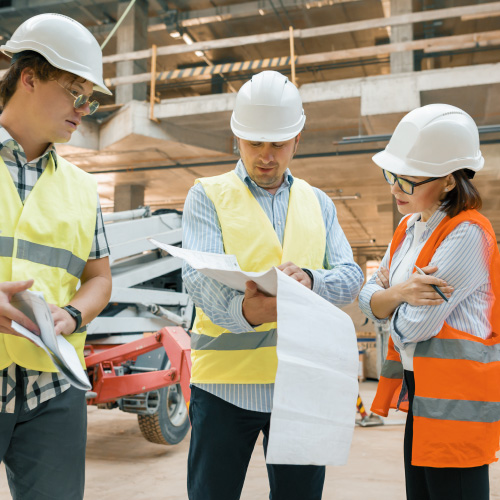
{"x":405,"y":185}
{"x":81,"y":100}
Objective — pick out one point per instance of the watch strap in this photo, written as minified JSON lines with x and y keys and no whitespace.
{"x":76,"y":314}
{"x":311,"y":276}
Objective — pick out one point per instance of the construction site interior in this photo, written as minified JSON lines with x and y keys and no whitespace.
{"x":174,"y":67}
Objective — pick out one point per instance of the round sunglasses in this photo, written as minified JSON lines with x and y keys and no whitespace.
{"x":405,"y":185}
{"x":81,"y":100}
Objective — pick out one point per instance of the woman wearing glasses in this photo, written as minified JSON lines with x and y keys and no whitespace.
{"x":443,"y":364}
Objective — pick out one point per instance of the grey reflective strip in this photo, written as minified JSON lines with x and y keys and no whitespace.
{"x":456,"y":409}
{"x":50,"y":256}
{"x":458,"y":349}
{"x":234,"y":341}
{"x":392,"y":369}
{"x":6,"y":246}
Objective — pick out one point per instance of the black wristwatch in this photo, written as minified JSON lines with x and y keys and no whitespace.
{"x":76,"y":314}
{"x":310,"y":274}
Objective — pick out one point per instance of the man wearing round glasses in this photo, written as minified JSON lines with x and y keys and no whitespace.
{"x":51,"y":240}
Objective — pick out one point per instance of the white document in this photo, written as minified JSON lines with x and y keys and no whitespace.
{"x":314,"y":405}
{"x":60,"y":351}
{"x":223,"y":268}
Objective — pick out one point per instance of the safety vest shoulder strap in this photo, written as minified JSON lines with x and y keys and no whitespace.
{"x":398,"y":237}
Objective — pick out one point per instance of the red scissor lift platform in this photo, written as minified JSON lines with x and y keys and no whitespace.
{"x":111,"y":384}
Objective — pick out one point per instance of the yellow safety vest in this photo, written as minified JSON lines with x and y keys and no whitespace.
{"x":219,"y":356}
{"x":49,"y":239}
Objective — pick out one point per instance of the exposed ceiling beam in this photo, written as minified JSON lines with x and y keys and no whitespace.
{"x":334,"y":29}
{"x":190,"y":18}
{"x":429,"y":45}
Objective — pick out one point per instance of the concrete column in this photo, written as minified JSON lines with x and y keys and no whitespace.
{"x":360,"y":258}
{"x":401,"y":62}
{"x":132,"y":35}
{"x":361,"y":261}
{"x":128,"y":197}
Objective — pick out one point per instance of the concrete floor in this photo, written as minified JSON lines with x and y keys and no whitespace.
{"x":122,"y":464}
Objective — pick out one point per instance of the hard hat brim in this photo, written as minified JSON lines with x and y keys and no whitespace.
{"x":250,"y":134}
{"x":8,"y":49}
{"x":396,"y":165}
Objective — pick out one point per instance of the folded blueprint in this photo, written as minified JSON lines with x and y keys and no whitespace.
{"x":59,"y":350}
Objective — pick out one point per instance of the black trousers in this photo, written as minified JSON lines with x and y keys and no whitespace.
{"x":448,"y":483}
{"x":223,"y":437}
{"x":44,"y":449}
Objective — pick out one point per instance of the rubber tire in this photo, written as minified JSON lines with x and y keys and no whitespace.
{"x":159,"y":428}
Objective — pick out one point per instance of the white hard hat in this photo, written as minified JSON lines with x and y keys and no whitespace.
{"x":64,"y":42}
{"x":268,"y":108}
{"x":434,"y":140}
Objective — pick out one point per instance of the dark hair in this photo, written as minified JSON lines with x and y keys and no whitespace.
{"x":44,"y":71}
{"x":464,"y":196}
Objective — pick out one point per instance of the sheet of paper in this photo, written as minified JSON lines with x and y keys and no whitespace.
{"x":200,"y":260}
{"x":223,"y":268}
{"x":60,"y":351}
{"x":314,"y":405}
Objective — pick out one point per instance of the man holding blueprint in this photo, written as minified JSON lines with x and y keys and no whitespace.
{"x":265,"y":217}
{"x":51,"y":241}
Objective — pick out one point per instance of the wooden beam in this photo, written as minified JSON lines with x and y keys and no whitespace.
{"x":335,"y":29}
{"x":428,"y":45}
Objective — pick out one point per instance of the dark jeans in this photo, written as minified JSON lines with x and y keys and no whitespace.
{"x":44,"y":449}
{"x":223,"y":437}
{"x":447,"y":483}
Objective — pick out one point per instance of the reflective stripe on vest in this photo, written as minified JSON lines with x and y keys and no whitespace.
{"x":49,"y":239}
{"x":453,"y":409}
{"x":456,"y":409}
{"x":49,"y":256}
{"x":42,"y":254}
{"x":218,"y":355}
{"x":392,"y":369}
{"x":459,"y":349}
{"x":6,"y":246}
{"x":234,"y":341}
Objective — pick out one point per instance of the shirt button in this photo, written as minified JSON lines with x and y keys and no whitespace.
{"x":279,"y":223}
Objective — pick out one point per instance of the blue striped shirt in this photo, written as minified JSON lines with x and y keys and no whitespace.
{"x":339,"y":282}
{"x":462,"y":260}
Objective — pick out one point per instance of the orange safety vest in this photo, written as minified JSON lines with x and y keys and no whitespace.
{"x":456,"y":409}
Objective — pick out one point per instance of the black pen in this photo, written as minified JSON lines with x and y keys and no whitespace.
{"x":419,"y":271}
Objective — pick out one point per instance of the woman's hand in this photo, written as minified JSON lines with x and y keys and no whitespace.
{"x":382,"y":277}
{"x":416,"y":290}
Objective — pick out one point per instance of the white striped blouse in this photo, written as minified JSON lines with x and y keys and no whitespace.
{"x":462,"y":260}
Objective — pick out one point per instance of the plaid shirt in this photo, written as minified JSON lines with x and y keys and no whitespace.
{"x":38,"y":387}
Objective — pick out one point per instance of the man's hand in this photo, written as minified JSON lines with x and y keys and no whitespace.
{"x":9,"y":313}
{"x":257,"y":307}
{"x":64,"y":323}
{"x":295,"y":272}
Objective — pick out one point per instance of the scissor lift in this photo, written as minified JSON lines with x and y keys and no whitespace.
{"x":137,"y":351}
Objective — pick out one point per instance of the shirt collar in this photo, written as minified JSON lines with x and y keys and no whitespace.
{"x":7,"y":141}
{"x":431,"y":224}
{"x":242,"y":173}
